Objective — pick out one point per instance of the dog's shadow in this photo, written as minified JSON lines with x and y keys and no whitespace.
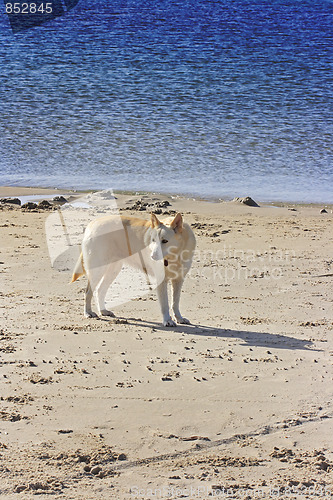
{"x":249,"y":338}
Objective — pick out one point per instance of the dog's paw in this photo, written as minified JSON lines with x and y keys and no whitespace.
{"x":183,"y":321}
{"x":105,"y":312}
{"x":90,"y":314}
{"x":169,"y":322}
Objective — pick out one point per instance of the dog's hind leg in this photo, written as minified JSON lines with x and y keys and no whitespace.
{"x":110,"y":275}
{"x":176,"y":289}
{"x":87,"y":305}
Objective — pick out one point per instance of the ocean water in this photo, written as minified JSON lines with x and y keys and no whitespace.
{"x":211,"y":98}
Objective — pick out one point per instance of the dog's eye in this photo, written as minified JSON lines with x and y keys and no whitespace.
{"x":164,"y":241}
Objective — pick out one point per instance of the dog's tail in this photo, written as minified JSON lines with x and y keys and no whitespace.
{"x":79,"y":269}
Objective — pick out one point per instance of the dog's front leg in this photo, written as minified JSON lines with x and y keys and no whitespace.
{"x":176,"y":289}
{"x":162,"y":295}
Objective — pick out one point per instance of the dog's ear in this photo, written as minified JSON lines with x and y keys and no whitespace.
{"x":154,"y":221}
{"x":177,"y":223}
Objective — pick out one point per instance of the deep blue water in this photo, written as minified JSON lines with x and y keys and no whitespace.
{"x":207,"y":97}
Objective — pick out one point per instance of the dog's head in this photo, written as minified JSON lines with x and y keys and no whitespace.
{"x":165,"y":237}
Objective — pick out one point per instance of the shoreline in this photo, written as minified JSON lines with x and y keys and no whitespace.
{"x":36,"y":191}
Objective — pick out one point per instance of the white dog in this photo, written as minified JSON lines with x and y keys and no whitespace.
{"x":110,"y":241}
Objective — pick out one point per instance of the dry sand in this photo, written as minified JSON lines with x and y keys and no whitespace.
{"x":236,"y":405}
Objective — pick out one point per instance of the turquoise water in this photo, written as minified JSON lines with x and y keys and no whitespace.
{"x":212,"y":98}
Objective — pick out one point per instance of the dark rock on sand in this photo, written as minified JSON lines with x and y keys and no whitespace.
{"x":12,"y":201}
{"x":149,"y":206}
{"x":59,"y":200}
{"x":323,"y":211}
{"x":246,"y":201}
{"x":45,"y":205}
{"x":29,"y":206}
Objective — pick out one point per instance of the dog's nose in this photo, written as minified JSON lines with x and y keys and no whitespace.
{"x":155,"y":255}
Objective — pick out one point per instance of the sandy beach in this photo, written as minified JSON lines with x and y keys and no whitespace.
{"x":236,"y":405}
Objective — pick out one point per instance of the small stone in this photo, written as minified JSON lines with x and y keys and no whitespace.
{"x":18,"y":489}
{"x":87,"y":468}
{"x":323,"y":466}
{"x":323,"y":211}
{"x":96,"y":470}
{"x":122,"y":456}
